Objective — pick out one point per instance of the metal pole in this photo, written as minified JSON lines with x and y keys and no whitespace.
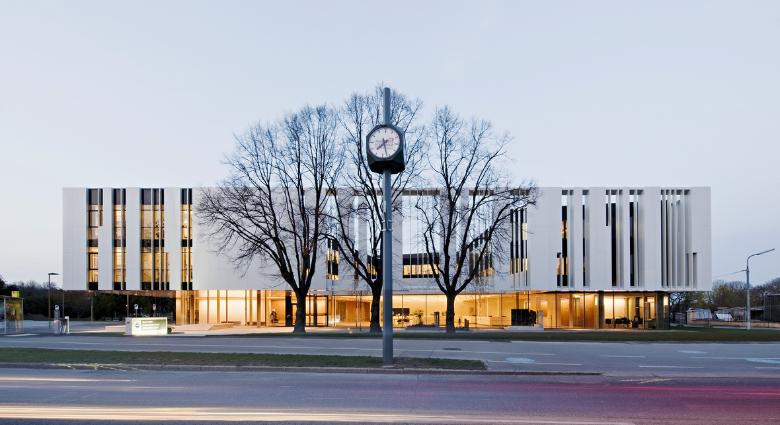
{"x":387,"y":256}
{"x":49,"y":301}
{"x":747,"y":309}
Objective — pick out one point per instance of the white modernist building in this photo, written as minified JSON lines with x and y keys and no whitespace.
{"x":580,"y":257}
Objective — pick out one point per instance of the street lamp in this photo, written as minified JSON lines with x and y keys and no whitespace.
{"x":747,"y":275}
{"x":50,"y":275}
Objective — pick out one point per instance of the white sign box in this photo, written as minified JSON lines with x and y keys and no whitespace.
{"x":144,"y":326}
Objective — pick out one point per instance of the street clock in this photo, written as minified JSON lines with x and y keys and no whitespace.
{"x":385,"y":149}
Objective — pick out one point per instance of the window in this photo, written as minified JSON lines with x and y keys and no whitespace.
{"x":419,"y":265}
{"x":120,"y":239}
{"x":678,"y":264}
{"x":585,"y":235}
{"x":186,"y":239}
{"x":633,"y":213}
{"x":480,"y":257}
{"x":612,"y":223}
{"x":332,"y":258}
{"x":154,"y":258}
{"x":372,"y":264}
{"x":94,"y":221}
{"x":92,"y":268}
{"x":562,"y":266}
{"x":518,"y":249}
{"x":420,"y":257}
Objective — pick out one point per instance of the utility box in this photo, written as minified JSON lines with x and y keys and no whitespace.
{"x":146,"y":326}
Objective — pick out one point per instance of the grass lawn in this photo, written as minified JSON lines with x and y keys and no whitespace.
{"x":689,"y":334}
{"x":39,"y":355}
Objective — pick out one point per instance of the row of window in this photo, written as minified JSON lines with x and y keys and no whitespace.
{"x":155,"y":273}
{"x":678,"y":266}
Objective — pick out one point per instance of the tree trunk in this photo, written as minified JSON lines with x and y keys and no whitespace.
{"x":300,"y":314}
{"x":450,"y":314}
{"x":376,"y":301}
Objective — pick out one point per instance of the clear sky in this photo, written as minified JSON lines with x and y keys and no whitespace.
{"x":610,"y":93}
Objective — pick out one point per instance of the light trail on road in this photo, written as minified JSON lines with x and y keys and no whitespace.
{"x":118,"y":413}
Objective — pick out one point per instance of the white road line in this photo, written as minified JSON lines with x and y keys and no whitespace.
{"x":618,"y":356}
{"x":673,"y":367}
{"x":534,"y":363}
{"x":735,"y":358}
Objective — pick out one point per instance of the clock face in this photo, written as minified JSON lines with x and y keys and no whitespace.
{"x":384,"y":142}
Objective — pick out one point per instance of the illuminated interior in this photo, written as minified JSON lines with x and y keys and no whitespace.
{"x":571,"y":310}
{"x":94,"y":221}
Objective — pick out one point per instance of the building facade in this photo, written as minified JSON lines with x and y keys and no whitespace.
{"x":579,"y":258}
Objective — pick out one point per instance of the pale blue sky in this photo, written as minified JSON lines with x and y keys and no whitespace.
{"x":677,"y":93}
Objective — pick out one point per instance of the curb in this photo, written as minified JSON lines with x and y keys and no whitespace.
{"x":303,"y":369}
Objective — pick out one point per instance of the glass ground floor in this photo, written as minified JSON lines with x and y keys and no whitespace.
{"x":583,"y":310}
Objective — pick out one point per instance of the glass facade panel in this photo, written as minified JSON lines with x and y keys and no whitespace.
{"x":186,"y":239}
{"x":577,"y":310}
{"x":155,"y":264}
{"x":94,"y":221}
{"x":119,"y":239}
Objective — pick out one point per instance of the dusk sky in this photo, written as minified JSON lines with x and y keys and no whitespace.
{"x":612,"y":93}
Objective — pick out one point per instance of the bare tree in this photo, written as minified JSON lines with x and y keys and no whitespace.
{"x":363,"y":203}
{"x":466,"y":216}
{"x":272,"y":206}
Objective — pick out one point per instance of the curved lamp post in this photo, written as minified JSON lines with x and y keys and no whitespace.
{"x":747,"y":275}
{"x":50,"y":275}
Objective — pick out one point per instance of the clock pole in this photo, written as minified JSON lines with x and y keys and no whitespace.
{"x":387,"y":256}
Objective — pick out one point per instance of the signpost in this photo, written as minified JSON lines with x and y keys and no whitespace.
{"x":385,"y":154}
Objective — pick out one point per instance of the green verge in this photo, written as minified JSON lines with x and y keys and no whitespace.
{"x":674,"y":335}
{"x":41,"y":355}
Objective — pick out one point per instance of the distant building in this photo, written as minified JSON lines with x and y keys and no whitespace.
{"x":581,"y":258}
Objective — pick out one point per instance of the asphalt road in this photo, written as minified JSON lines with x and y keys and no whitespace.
{"x":82,"y":397}
{"x":616,"y":359}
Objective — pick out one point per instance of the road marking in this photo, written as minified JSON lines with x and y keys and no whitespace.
{"x":673,"y":367}
{"x":774,"y":360}
{"x":617,"y":356}
{"x":646,"y":381}
{"x":13,"y":335}
{"x":762,"y":360}
{"x":519,"y":360}
{"x":531,"y":362}
{"x":691,"y":352}
{"x":35,"y":379}
{"x":767,"y":367}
